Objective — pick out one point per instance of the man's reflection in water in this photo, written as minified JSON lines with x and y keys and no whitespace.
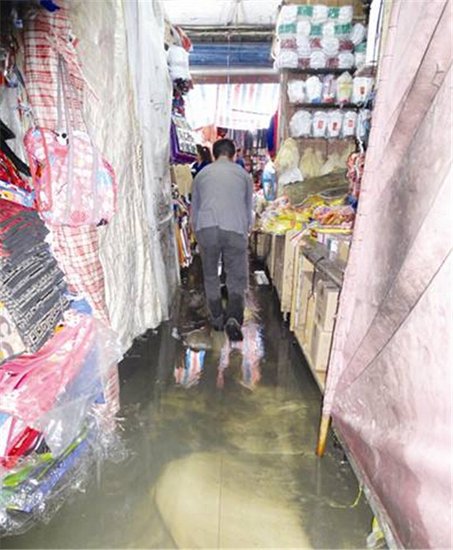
{"x":190,"y":369}
{"x":252,"y":350}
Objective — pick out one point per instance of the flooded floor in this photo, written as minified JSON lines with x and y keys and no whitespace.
{"x":221,"y":448}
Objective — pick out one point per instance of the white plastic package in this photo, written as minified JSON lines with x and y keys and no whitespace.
{"x":318,"y":60}
{"x":349,"y":124}
{"x":287,"y":156}
{"x":328,"y":29}
{"x":330,"y":46}
{"x":313,"y":89}
{"x":287,"y":59}
{"x":303,"y":27}
{"x":178,"y":62}
{"x":320,"y":14}
{"x":320,"y":119}
{"x":290,"y":176}
{"x":361,"y":89}
{"x":303,"y":46}
{"x":358,"y":33}
{"x":345,"y":14}
{"x":329,"y":89}
{"x":300,"y":124}
{"x":288,"y":14}
{"x":344,"y":88}
{"x":334,"y":123}
{"x":346,"y":60}
{"x":360,"y":59}
{"x":296,"y":91}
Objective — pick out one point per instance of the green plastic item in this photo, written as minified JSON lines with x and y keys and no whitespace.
{"x":305,"y":11}
{"x":316,"y":30}
{"x":290,"y":28}
{"x":361,"y":48}
{"x":343,"y":30}
{"x":334,"y":13}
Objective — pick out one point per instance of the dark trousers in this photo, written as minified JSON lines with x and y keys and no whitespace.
{"x":215,"y":243}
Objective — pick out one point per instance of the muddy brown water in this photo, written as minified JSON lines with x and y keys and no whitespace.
{"x":221,"y":446}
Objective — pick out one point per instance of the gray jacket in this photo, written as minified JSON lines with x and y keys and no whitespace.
{"x":222,"y":197}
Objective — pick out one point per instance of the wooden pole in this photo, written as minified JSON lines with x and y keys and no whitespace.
{"x":322,"y":435}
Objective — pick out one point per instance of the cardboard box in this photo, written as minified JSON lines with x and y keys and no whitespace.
{"x":343,"y":250}
{"x":309,"y":323}
{"x":304,"y":290}
{"x":326,"y":304}
{"x":320,"y":347}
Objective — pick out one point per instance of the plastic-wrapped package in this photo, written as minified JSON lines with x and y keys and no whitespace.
{"x":313,"y":89}
{"x":358,"y":33}
{"x":346,"y":14}
{"x":320,"y":14}
{"x":349,"y":123}
{"x":329,"y":89}
{"x":300,"y":124}
{"x":334,"y":162}
{"x":303,"y":27}
{"x":334,"y":123}
{"x":316,"y":31}
{"x":287,"y":59}
{"x":318,"y":60}
{"x":330,"y":46}
{"x":178,"y":62}
{"x":311,"y":163}
{"x":328,"y":29}
{"x":320,"y":124}
{"x":361,"y":89}
{"x":344,"y":88}
{"x":346,"y":60}
{"x":315,"y":43}
{"x":303,"y":46}
{"x":343,"y":30}
{"x":359,"y":59}
{"x":269,"y":181}
{"x":332,"y":62}
{"x":288,"y":14}
{"x":287,"y":156}
{"x":363,"y":124}
{"x":287,"y":34}
{"x":345,"y":45}
{"x":290,"y":176}
{"x":296,"y":91}
{"x":303,"y":62}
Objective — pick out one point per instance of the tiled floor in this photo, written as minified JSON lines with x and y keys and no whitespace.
{"x":221,"y":451}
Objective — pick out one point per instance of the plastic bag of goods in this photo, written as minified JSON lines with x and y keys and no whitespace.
{"x":303,"y":62}
{"x":328,"y":29}
{"x":311,"y":163}
{"x":320,"y":124}
{"x":320,"y":14}
{"x":330,"y":46}
{"x":334,"y":124}
{"x":269,"y":181}
{"x":329,"y":89}
{"x":346,"y":14}
{"x":296,"y":91}
{"x":333,"y":163}
{"x":287,"y":59}
{"x":346,"y":60}
{"x":287,"y":35}
{"x":290,"y":176}
{"x":344,"y":88}
{"x":287,"y":156}
{"x":288,"y":15}
{"x":300,"y":124}
{"x":303,"y":46}
{"x":318,"y":60}
{"x":303,"y":28}
{"x":358,"y":34}
{"x":363,"y":124}
{"x":360,"y":55}
{"x":332,"y":62}
{"x":361,"y":89}
{"x":178,"y":62}
{"x":313,"y":89}
{"x":343,"y":30}
{"x":345,"y":45}
{"x":316,"y":31}
{"x":349,"y":123}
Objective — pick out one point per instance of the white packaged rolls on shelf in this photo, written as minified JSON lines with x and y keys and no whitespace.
{"x":363,"y":123}
{"x":296,"y":91}
{"x":303,"y":46}
{"x":300,"y":124}
{"x":320,"y":124}
{"x":349,"y":123}
{"x":360,"y":59}
{"x":334,"y":123}
{"x":329,"y":89}
{"x":318,"y":59}
{"x":320,"y":14}
{"x":288,"y":14}
{"x":328,"y":29}
{"x":313,"y":89}
{"x":330,"y":46}
{"x":287,"y":59}
{"x":346,"y":60}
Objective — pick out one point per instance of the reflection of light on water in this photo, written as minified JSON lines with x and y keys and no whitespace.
{"x":189,"y":373}
{"x":252,"y":350}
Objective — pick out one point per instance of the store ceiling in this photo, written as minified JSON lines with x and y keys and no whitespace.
{"x":222,"y":12}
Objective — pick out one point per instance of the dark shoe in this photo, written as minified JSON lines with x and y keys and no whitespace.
{"x":235,"y":308}
{"x":233,"y":330}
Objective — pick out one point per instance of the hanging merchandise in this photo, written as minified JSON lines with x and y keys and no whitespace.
{"x":344,"y":88}
{"x":355,"y":166}
{"x":363,"y":125}
{"x":311,"y":163}
{"x":296,"y":91}
{"x":361,"y":89}
{"x":178,"y":63}
{"x":313,"y":88}
{"x":349,"y":123}
{"x":287,"y":162}
{"x":334,"y":123}
{"x":320,"y":119}
{"x":183,"y":146}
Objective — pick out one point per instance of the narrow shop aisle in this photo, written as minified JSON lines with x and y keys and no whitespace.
{"x":220,"y":447}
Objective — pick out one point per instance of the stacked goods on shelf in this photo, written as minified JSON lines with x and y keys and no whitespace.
{"x":183,"y":232}
{"x":319,"y":37}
